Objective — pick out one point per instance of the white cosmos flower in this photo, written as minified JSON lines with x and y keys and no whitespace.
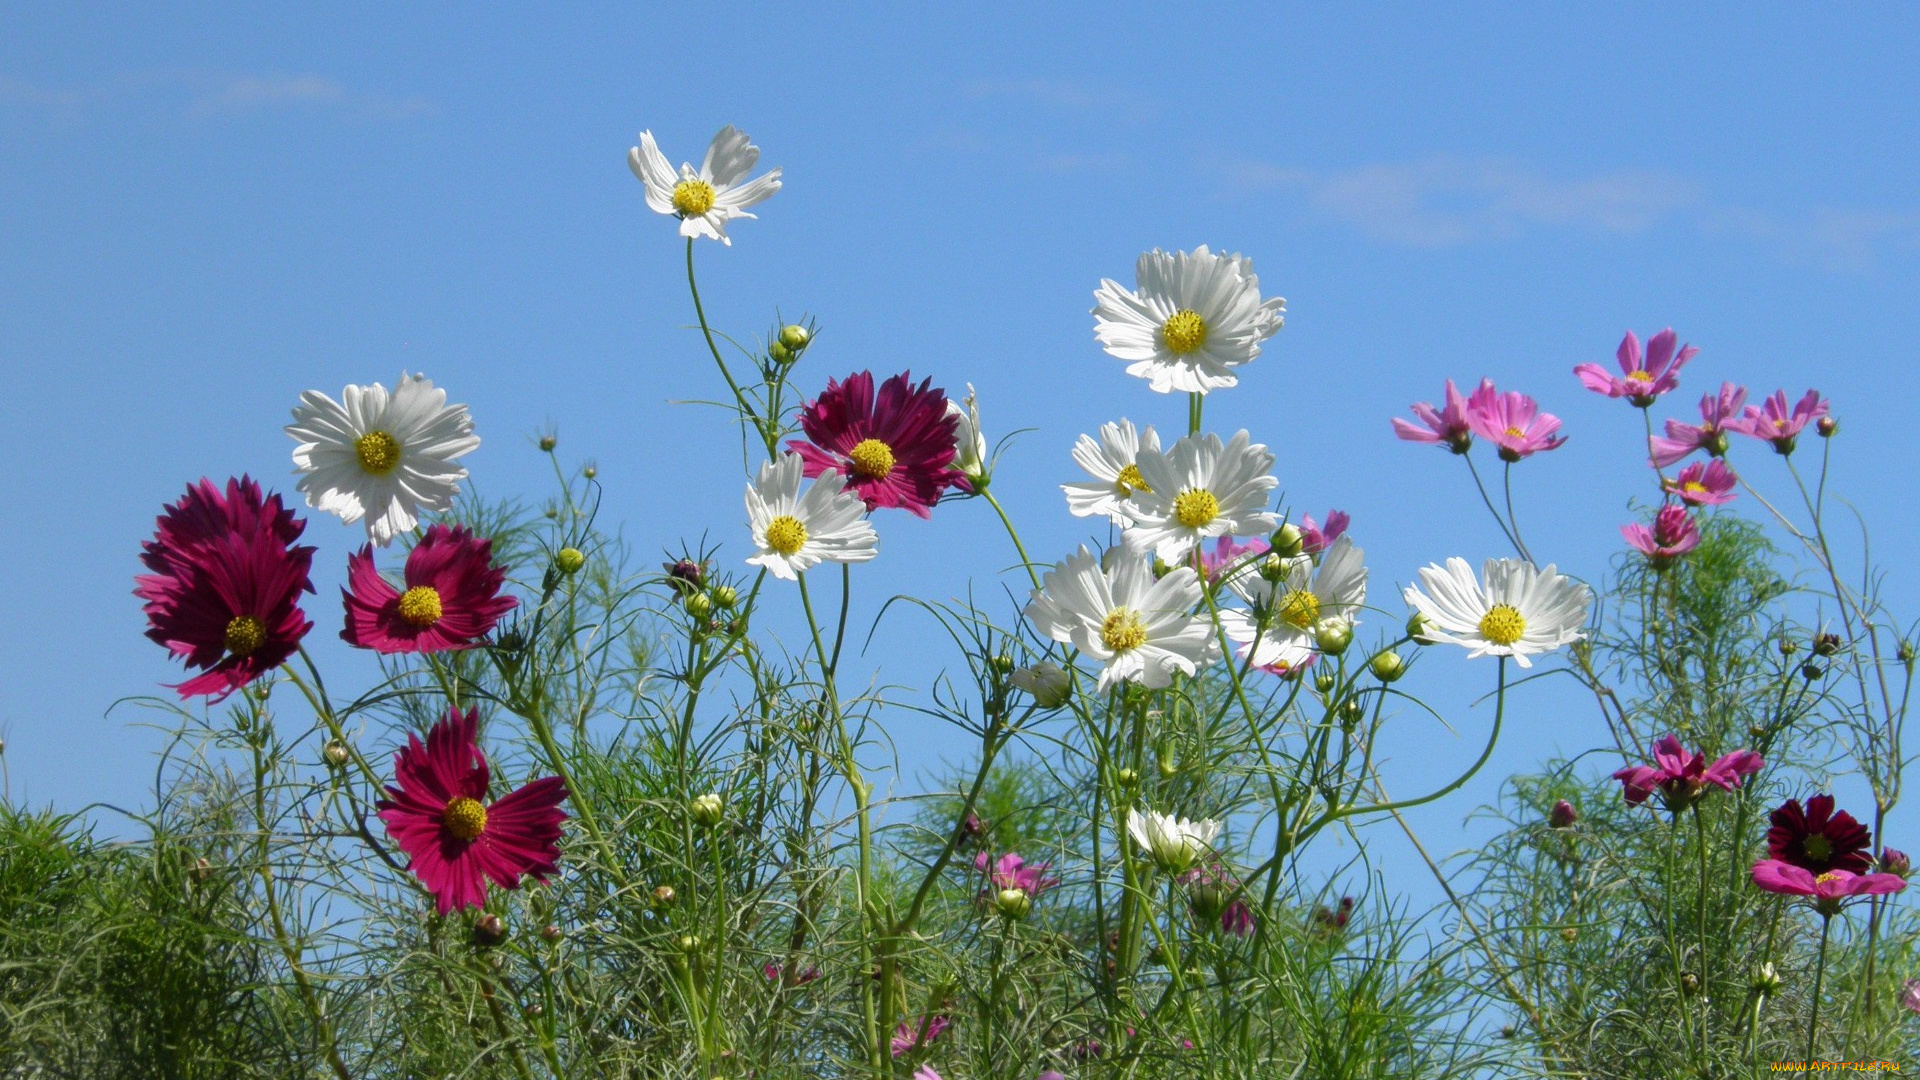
{"x":1049,"y":684}
{"x":1112,"y":460}
{"x":1201,"y":489}
{"x":1175,"y":843}
{"x":379,"y":456}
{"x":969,"y":445}
{"x":1196,"y":317}
{"x":1143,"y":630}
{"x":792,"y":532}
{"x":1298,"y":602}
{"x":706,"y":200}
{"x":1521,"y":610}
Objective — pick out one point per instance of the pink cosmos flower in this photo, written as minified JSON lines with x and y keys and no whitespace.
{"x":1718,"y":413}
{"x":910,"y":1035}
{"x":1513,"y":421}
{"x":1681,"y":776}
{"x":1773,"y":422}
{"x":1674,"y":533}
{"x":1829,"y":891}
{"x":1314,"y":539}
{"x":925,"y":1072}
{"x":1012,"y":872}
{"x":778,"y":974}
{"x":452,"y":599}
{"x":1910,"y":995}
{"x":1229,"y":553}
{"x":435,"y":811}
{"x":1209,"y":886}
{"x":1448,"y":426}
{"x":1642,"y":378}
{"x":895,"y":450}
{"x":226,"y":583}
{"x":1707,"y":483}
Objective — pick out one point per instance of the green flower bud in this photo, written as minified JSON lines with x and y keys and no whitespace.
{"x":1351,"y":711}
{"x":1387,"y":667}
{"x":689,"y":943}
{"x":1333,"y":638}
{"x":699,"y":605}
{"x":1289,"y":541}
{"x":1013,"y":904}
{"x":1002,"y":665}
{"x":795,"y":337}
{"x":707,"y":810}
{"x":779,"y":354}
{"x":1325,"y":682}
{"x":1127,"y":777}
{"x":569,"y":560}
{"x":548,"y":442}
{"x":336,"y":753}
{"x":1273,"y":568}
{"x":725,"y":596}
{"x":1767,"y":980}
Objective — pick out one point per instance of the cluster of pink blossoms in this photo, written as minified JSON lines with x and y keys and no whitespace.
{"x":1511,"y":421}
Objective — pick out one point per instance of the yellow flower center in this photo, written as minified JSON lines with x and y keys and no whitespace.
{"x":1516,"y":433}
{"x":245,"y":635}
{"x":871,"y":458}
{"x":465,"y":818}
{"x":378,"y":452}
{"x":420,"y":605}
{"x":1184,"y":332}
{"x":1694,"y":487}
{"x":1503,"y":624}
{"x":1829,"y":876}
{"x":1640,"y":375}
{"x":1130,"y":481}
{"x":1816,"y":847}
{"x":692,"y":197}
{"x":1195,"y":507}
{"x":1122,"y":630}
{"x":1299,"y":608}
{"x":785,"y":535}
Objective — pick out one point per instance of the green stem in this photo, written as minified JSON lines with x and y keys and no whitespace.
{"x":1026,"y":563}
{"x":1819,"y":975}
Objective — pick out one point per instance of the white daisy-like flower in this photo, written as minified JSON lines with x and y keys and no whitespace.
{"x":1198,"y":490}
{"x":1298,"y":601}
{"x":969,"y":444}
{"x":1174,"y":843}
{"x":1521,"y":610}
{"x":1196,"y":317}
{"x":792,"y":532}
{"x":1141,"y":629}
{"x":379,"y":456}
{"x":1113,"y":462}
{"x":704,"y":200}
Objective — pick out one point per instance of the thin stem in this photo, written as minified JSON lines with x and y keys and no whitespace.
{"x":1026,"y":563}
{"x":1486,"y":501}
{"x":1513,"y":522}
{"x":1819,"y":975}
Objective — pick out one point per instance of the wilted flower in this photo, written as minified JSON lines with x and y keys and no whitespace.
{"x":895,"y":448}
{"x":1448,"y":426}
{"x":1211,"y":892}
{"x":382,"y":457}
{"x":1521,"y":611}
{"x":1643,"y":377}
{"x":1175,"y":843}
{"x":969,"y":443}
{"x":1196,"y":317}
{"x":706,"y":200}
{"x":910,"y":1035}
{"x":1332,"y":922}
{"x":1681,"y":776}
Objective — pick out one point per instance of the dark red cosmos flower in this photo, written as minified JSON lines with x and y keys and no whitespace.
{"x":452,"y":599}
{"x":226,"y":582}
{"x":1817,"y":839}
{"x":436,"y":811}
{"x":895,"y":450}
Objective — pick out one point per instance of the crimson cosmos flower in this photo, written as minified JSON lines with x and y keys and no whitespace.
{"x":1643,"y":377}
{"x":1680,"y":775}
{"x":1817,"y":839}
{"x":436,"y":812}
{"x":1672,"y":535}
{"x":226,"y":582}
{"x":452,"y":599}
{"x":896,"y":450}
{"x":1718,"y":414}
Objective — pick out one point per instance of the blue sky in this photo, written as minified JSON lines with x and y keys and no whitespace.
{"x":203,"y":213}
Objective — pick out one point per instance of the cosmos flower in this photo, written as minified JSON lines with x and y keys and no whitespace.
{"x":1232,"y":558}
{"x":1174,"y":843}
{"x":969,"y":444}
{"x":1817,"y":839}
{"x":1515,"y":423}
{"x":896,"y":450}
{"x":1642,"y":378}
{"x":1829,"y":891}
{"x":1703,"y":484}
{"x":1773,"y":422}
{"x":452,"y":599}
{"x":435,"y":810}
{"x":1448,"y":426}
{"x":1673,"y":534}
{"x":1681,"y":776}
{"x":379,"y":456}
{"x":1314,"y":538}
{"x":793,"y":532}
{"x":1199,"y":490}
{"x":911,"y":1035}
{"x":1910,"y":995}
{"x":1295,"y":604}
{"x":704,"y":200}
{"x":1195,"y":318}
{"x":1113,"y":461}
{"x":225,"y":585}
{"x":1718,"y":413}
{"x":1209,"y":887}
{"x":1010,"y":871}
{"x":1140,"y":629}
{"x":1521,"y":611}
{"x":1049,"y":684}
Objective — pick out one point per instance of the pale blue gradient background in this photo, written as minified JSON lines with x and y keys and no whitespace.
{"x":204,"y":211}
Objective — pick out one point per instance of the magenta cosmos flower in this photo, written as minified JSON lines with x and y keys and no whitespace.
{"x":226,"y":582}
{"x":1643,"y":377}
{"x":437,"y":812}
{"x":896,"y":450}
{"x":1708,"y":483}
{"x":1829,"y":891}
{"x":1447,"y":426}
{"x":910,"y":1035}
{"x":1818,"y":839}
{"x":1774,"y":422}
{"x":452,"y":599}
{"x":1910,"y":995}
{"x":1229,"y":554}
{"x":1315,"y":538}
{"x":1680,"y":775}
{"x":1673,"y":534}
{"x":1514,"y":422}
{"x":1011,"y":871}
{"x":1718,"y":413}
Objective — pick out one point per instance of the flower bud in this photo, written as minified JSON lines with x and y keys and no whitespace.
{"x":779,"y":353}
{"x":689,"y":943}
{"x":1273,"y":568}
{"x":1689,"y":982}
{"x":1828,"y":427}
{"x":1894,"y":861}
{"x":488,"y":931}
{"x":1569,"y":934}
{"x":1563,"y":815}
{"x":1767,"y":980}
{"x":551,"y":934}
{"x":795,"y":337}
{"x":1826,"y":644}
{"x":1169,"y":768}
{"x":1904,"y":653}
{"x":1012,"y":904}
{"x":1351,"y":711}
{"x":590,"y":471}
{"x":1325,"y":682}
{"x":725,"y":596}
{"x":1333,"y":638}
{"x":547,"y":443}
{"x":1788,"y":646}
{"x":1002,"y":665}
{"x":336,"y":753}
{"x":1811,"y":671}
{"x":1387,"y":667}
{"x":1127,"y":777}
{"x":200,"y":871}
{"x":1049,"y":684}
{"x":569,"y":560}
{"x":972,"y":826}
{"x":663,"y":896}
{"x":699,"y":605}
{"x":1716,"y":444}
{"x":1289,"y":541}
{"x":1416,"y":626}
{"x":707,"y":810}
